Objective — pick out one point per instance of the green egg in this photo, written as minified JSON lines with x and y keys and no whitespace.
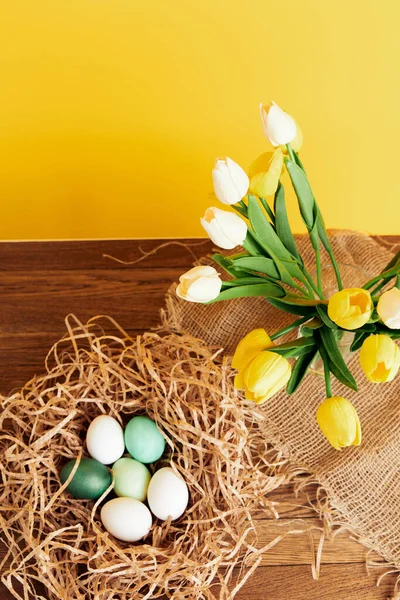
{"x":131,"y":478}
{"x":90,"y":481}
{"x":143,"y":440}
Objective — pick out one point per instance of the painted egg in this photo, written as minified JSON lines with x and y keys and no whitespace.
{"x":131,"y":478}
{"x":168,"y":494}
{"x":90,"y":481}
{"x":105,"y":439}
{"x":143,"y":440}
{"x":126,"y":519}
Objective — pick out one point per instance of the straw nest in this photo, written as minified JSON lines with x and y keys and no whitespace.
{"x":57,"y":547}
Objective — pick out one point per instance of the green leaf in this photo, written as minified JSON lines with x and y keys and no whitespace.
{"x":298,"y":161}
{"x":333,"y":368}
{"x":359,"y":339}
{"x":224,"y":263}
{"x":300,"y":369}
{"x":388,"y":274}
{"x":309,"y":328}
{"x":244,"y":281}
{"x":303,"y":193}
{"x":295,"y":352}
{"x":393,"y":333}
{"x":268,"y":239}
{"x":368,"y":327}
{"x":238,"y":255}
{"x":282,"y":223}
{"x":242,"y":210}
{"x":259,"y":264}
{"x":336,"y":362}
{"x":392,"y":262}
{"x":266,"y":290}
{"x":252,"y":246}
{"x":323,"y":313}
{"x":304,"y":342}
{"x":374,"y":317}
{"x":296,"y":306}
{"x":268,"y":210}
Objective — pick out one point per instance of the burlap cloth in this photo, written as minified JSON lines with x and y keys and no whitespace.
{"x":362,"y":485}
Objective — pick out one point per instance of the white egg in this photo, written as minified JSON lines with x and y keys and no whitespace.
{"x":126,"y":519}
{"x":105,"y":439}
{"x":167,"y":494}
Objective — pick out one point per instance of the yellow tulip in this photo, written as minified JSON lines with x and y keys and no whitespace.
{"x":380,"y":358}
{"x":265,"y":182}
{"x":339,"y":422}
{"x":252,"y":344}
{"x":350,"y":308}
{"x":264,"y":376}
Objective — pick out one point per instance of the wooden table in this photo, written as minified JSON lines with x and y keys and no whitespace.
{"x":42,"y":282}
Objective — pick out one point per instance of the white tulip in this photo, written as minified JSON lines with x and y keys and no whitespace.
{"x":278,"y":126}
{"x":389,"y":308}
{"x":200,"y":284}
{"x":230,"y":181}
{"x":225,"y":229}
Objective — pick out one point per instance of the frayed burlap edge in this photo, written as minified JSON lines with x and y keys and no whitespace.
{"x":322,"y":499}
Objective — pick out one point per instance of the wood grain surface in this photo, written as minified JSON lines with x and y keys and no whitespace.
{"x":42,"y":282}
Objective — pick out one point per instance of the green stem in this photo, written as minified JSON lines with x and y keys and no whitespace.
{"x":337,"y":271}
{"x":300,"y":289}
{"x":319,"y":270}
{"x":289,"y":328}
{"x":327,"y":377}
{"x":380,"y":285}
{"x":268,"y":209}
{"x":240,"y":210}
{"x":378,"y":288}
{"x":291,"y":154}
{"x":312,"y":284}
{"x":308,"y":286}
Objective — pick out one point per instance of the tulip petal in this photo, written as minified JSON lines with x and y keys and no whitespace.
{"x":267,"y":373}
{"x":224,"y":188}
{"x":200,"y":271}
{"x":248,"y":348}
{"x":231,"y":226}
{"x":388,"y":308}
{"x":297,"y":142}
{"x":217,"y":235}
{"x":380,"y":358}
{"x":339,"y":422}
{"x":200,"y":284}
{"x":280,"y":126}
{"x":350,"y":308}
{"x":204,"y":289}
{"x":261,"y":164}
{"x":239,"y":177}
{"x":239,"y":381}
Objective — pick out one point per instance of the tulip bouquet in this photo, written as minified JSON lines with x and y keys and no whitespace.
{"x":271,"y":266}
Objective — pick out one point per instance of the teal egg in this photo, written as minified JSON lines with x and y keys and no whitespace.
{"x":90,"y":481}
{"x":143,"y":440}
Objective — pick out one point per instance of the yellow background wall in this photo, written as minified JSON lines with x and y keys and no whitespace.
{"x":112,"y":111}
